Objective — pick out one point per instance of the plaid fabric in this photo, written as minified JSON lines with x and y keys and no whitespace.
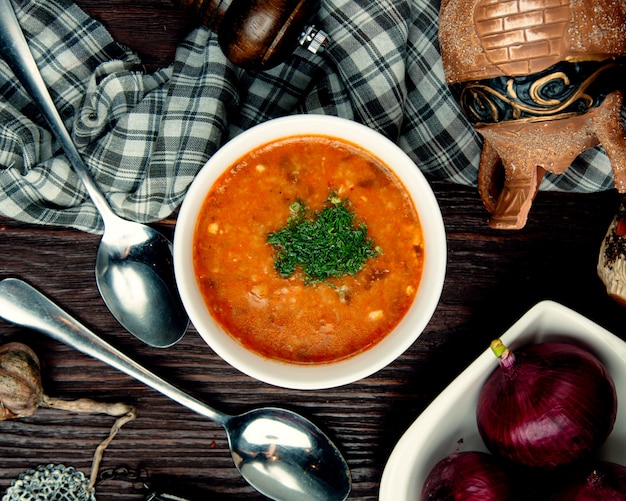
{"x":145,"y":136}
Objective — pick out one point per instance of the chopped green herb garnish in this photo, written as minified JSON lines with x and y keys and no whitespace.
{"x":323,"y":244}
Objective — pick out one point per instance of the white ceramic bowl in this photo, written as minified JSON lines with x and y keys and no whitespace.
{"x":452,"y":415}
{"x":361,"y":365}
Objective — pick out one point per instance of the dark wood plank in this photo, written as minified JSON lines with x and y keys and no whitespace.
{"x":151,"y":28}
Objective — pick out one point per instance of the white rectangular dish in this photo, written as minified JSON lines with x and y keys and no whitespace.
{"x":452,"y":415}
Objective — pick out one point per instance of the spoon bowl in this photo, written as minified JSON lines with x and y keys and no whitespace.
{"x":134,"y":266}
{"x":267,"y":436}
{"x":280,"y":453}
{"x":135,"y":278}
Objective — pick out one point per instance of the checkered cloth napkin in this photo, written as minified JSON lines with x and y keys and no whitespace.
{"x":145,"y":136}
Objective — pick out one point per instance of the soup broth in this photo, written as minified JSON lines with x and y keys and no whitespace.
{"x":287,"y":318}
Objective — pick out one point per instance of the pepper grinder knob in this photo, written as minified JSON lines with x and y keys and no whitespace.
{"x":313,"y":39}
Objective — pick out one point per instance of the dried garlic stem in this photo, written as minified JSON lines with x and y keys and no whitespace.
{"x":123,"y":412}
{"x":86,"y":405}
{"x":97,"y":457}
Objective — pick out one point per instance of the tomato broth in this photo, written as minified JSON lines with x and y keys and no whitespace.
{"x":286,"y":318}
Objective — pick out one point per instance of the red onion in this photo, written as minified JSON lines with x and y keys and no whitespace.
{"x":547,"y":405}
{"x":468,"y":476}
{"x":601,"y":481}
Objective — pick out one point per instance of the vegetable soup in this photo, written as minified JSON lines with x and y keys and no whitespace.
{"x":319,"y":199}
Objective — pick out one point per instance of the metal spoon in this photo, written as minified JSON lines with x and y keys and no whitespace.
{"x":280,"y":453}
{"x":134,"y":269}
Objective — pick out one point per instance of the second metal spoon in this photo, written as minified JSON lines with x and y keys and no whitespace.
{"x":280,"y":453}
{"x":134,"y":269}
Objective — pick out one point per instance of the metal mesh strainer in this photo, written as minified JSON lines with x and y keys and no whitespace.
{"x":50,"y":483}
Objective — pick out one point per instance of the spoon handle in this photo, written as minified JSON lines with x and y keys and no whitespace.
{"x":23,"y":305}
{"x":16,"y":53}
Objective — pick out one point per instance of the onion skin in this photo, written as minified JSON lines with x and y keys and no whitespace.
{"x":601,"y":481}
{"x":468,"y":476}
{"x":546,"y":406}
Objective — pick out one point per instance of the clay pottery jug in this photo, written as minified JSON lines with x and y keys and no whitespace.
{"x":541,"y":81}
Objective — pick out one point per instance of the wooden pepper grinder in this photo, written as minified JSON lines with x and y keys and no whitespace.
{"x":259,"y":34}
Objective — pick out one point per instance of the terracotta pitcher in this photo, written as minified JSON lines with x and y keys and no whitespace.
{"x":541,"y":81}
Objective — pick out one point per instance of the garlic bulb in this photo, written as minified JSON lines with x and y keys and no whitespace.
{"x":21,"y":393}
{"x":20,"y":381}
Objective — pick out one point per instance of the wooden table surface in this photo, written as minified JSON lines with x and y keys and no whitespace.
{"x":493,"y":278}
